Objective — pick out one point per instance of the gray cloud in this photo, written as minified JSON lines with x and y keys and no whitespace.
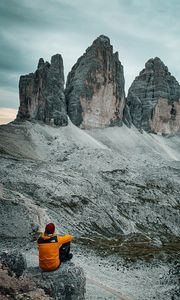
{"x":34,"y":14}
{"x":6,"y":78}
{"x":9,"y":98}
{"x":11,"y":56}
{"x":138,"y":29}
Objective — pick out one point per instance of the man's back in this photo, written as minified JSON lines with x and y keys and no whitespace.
{"x":48,"y":246}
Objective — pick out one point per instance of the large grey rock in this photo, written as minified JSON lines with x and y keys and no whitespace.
{"x":95,"y":87}
{"x":14,"y":261}
{"x":66,"y":283}
{"x":154,"y":99}
{"x":16,"y":216}
{"x":42,"y":93}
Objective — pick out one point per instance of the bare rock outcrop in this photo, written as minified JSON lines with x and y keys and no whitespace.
{"x":95,"y":87}
{"x":154,"y":99}
{"x":14,"y":261}
{"x":42,"y":93}
{"x":67,"y":282}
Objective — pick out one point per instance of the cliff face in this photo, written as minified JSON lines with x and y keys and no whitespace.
{"x":95,"y":97}
{"x":154,"y":99}
{"x":42,"y":93}
{"x":95,"y":87}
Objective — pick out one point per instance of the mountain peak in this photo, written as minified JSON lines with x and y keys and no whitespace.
{"x":103,"y":38}
{"x":155,"y":64}
{"x":95,"y":87}
{"x":42,"y":93}
{"x":154,"y":99}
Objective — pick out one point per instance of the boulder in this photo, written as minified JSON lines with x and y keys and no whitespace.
{"x":14,"y":261}
{"x":154,"y":99}
{"x":42,"y":93}
{"x":67,"y":282}
{"x":95,"y":87}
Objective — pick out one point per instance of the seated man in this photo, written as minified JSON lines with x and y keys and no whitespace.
{"x":53,"y":249}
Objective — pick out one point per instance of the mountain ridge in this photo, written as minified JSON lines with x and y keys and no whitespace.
{"x":94,"y":96}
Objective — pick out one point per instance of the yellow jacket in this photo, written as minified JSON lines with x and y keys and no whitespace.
{"x":48,"y":246}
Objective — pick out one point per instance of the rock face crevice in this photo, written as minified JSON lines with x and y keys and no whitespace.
{"x":95,"y":87}
{"x":154,"y":99}
{"x":42,"y":93}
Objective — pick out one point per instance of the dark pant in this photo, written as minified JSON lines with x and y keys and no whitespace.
{"x":64,"y":251}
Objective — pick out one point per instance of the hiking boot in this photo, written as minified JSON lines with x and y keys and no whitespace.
{"x":63,"y":258}
{"x":69,"y":256}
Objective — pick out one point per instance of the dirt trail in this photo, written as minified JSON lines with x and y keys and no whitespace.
{"x":107,"y":289}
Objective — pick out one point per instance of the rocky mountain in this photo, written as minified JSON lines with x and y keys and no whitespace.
{"x":94,"y":96}
{"x":75,"y":173}
{"x":154,"y":99}
{"x":95,"y":87}
{"x":42,"y":93}
{"x":115,"y":189}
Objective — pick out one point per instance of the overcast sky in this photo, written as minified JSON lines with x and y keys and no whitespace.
{"x":138,"y":30}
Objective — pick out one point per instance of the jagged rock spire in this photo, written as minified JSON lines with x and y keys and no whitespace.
{"x":95,"y":87}
{"x":154,"y":99}
{"x":42,"y":93}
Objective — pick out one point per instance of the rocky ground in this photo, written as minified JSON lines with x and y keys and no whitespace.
{"x":19,"y":280}
{"x":115,"y":189}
